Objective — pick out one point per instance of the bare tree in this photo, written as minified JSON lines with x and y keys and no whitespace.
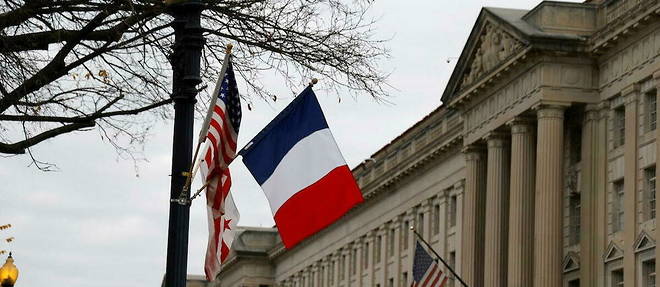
{"x":69,"y":65}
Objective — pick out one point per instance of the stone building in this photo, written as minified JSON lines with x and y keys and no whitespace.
{"x":538,"y":170}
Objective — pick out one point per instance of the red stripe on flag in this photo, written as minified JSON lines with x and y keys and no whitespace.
{"x":437,"y":277}
{"x":317,"y":206}
{"x":224,"y":251}
{"x":430,"y":275}
{"x":225,"y":128}
{"x":225,"y":155}
{"x":443,"y":281}
{"x":222,"y":190}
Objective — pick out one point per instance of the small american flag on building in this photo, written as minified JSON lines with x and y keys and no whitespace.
{"x":426,"y":272}
{"x":219,"y":152}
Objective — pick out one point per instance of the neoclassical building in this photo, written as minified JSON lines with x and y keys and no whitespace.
{"x":538,"y":170}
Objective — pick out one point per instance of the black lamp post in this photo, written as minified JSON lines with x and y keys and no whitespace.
{"x":185,"y":60}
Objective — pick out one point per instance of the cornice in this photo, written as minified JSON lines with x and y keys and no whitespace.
{"x":620,"y":19}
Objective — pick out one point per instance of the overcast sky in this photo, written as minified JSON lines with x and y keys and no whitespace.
{"x":99,"y":222}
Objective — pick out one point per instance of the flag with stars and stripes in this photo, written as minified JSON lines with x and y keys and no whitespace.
{"x":426,"y":272}
{"x":223,"y":125}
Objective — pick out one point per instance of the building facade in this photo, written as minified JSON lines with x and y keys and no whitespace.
{"x":538,"y":170}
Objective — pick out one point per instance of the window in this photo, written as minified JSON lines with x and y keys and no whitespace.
{"x":574,"y":283}
{"x":617,"y":278}
{"x":390,"y":248}
{"x":619,"y":126}
{"x":452,"y":211}
{"x":651,"y":111}
{"x":377,"y":247}
{"x":404,"y":279}
{"x":648,"y":273}
{"x":617,"y":207}
{"x":404,"y":234}
{"x":420,"y":224}
{"x":390,"y":282}
{"x":436,"y":219}
{"x":574,"y":218}
{"x":650,"y":191}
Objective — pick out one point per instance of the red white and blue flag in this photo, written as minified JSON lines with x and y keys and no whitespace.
{"x":219,"y":152}
{"x":426,"y":272}
{"x":296,"y":161}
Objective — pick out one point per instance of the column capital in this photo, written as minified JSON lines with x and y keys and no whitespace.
{"x":459,"y":184}
{"x":550,"y":111}
{"x":630,"y":89}
{"x":592,"y":113}
{"x":521,"y":124}
{"x":656,"y":76}
{"x":426,"y":205}
{"x":604,"y":109}
{"x":474,"y":152}
{"x":496,"y":139}
{"x":630,"y":94}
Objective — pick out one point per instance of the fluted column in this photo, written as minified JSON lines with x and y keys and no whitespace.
{"x":589,"y":253}
{"x":548,"y":227}
{"x":497,"y":191}
{"x":521,"y":204}
{"x":656,"y":78}
{"x":473,"y":216}
{"x":630,"y":214}
{"x":601,"y":185}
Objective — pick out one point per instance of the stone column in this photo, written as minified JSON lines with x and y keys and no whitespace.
{"x":589,"y":254}
{"x":474,"y":216}
{"x":458,"y":229}
{"x":521,"y":203}
{"x":630,"y":95}
{"x":656,"y":78}
{"x":548,"y":217}
{"x":398,"y":268}
{"x":497,"y":211}
{"x":601,"y":185}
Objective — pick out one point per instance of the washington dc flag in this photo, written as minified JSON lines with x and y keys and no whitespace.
{"x":305,"y":178}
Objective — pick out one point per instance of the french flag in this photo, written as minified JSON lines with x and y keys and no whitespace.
{"x":305,"y":178}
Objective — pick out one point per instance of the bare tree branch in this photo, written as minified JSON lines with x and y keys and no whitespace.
{"x":68,"y":65}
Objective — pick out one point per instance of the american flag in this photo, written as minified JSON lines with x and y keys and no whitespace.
{"x":220,"y":151}
{"x":426,"y":271}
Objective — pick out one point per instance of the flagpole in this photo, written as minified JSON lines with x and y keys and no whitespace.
{"x":185,"y":59}
{"x":438,"y":256}
{"x":194,"y":166}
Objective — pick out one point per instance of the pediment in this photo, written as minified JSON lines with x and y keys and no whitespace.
{"x":613,"y":252}
{"x":571,"y":262}
{"x":493,"y":41}
{"x":643,"y":242}
{"x":495,"y":45}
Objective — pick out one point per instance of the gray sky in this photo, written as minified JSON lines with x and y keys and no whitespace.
{"x":97,"y":221}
